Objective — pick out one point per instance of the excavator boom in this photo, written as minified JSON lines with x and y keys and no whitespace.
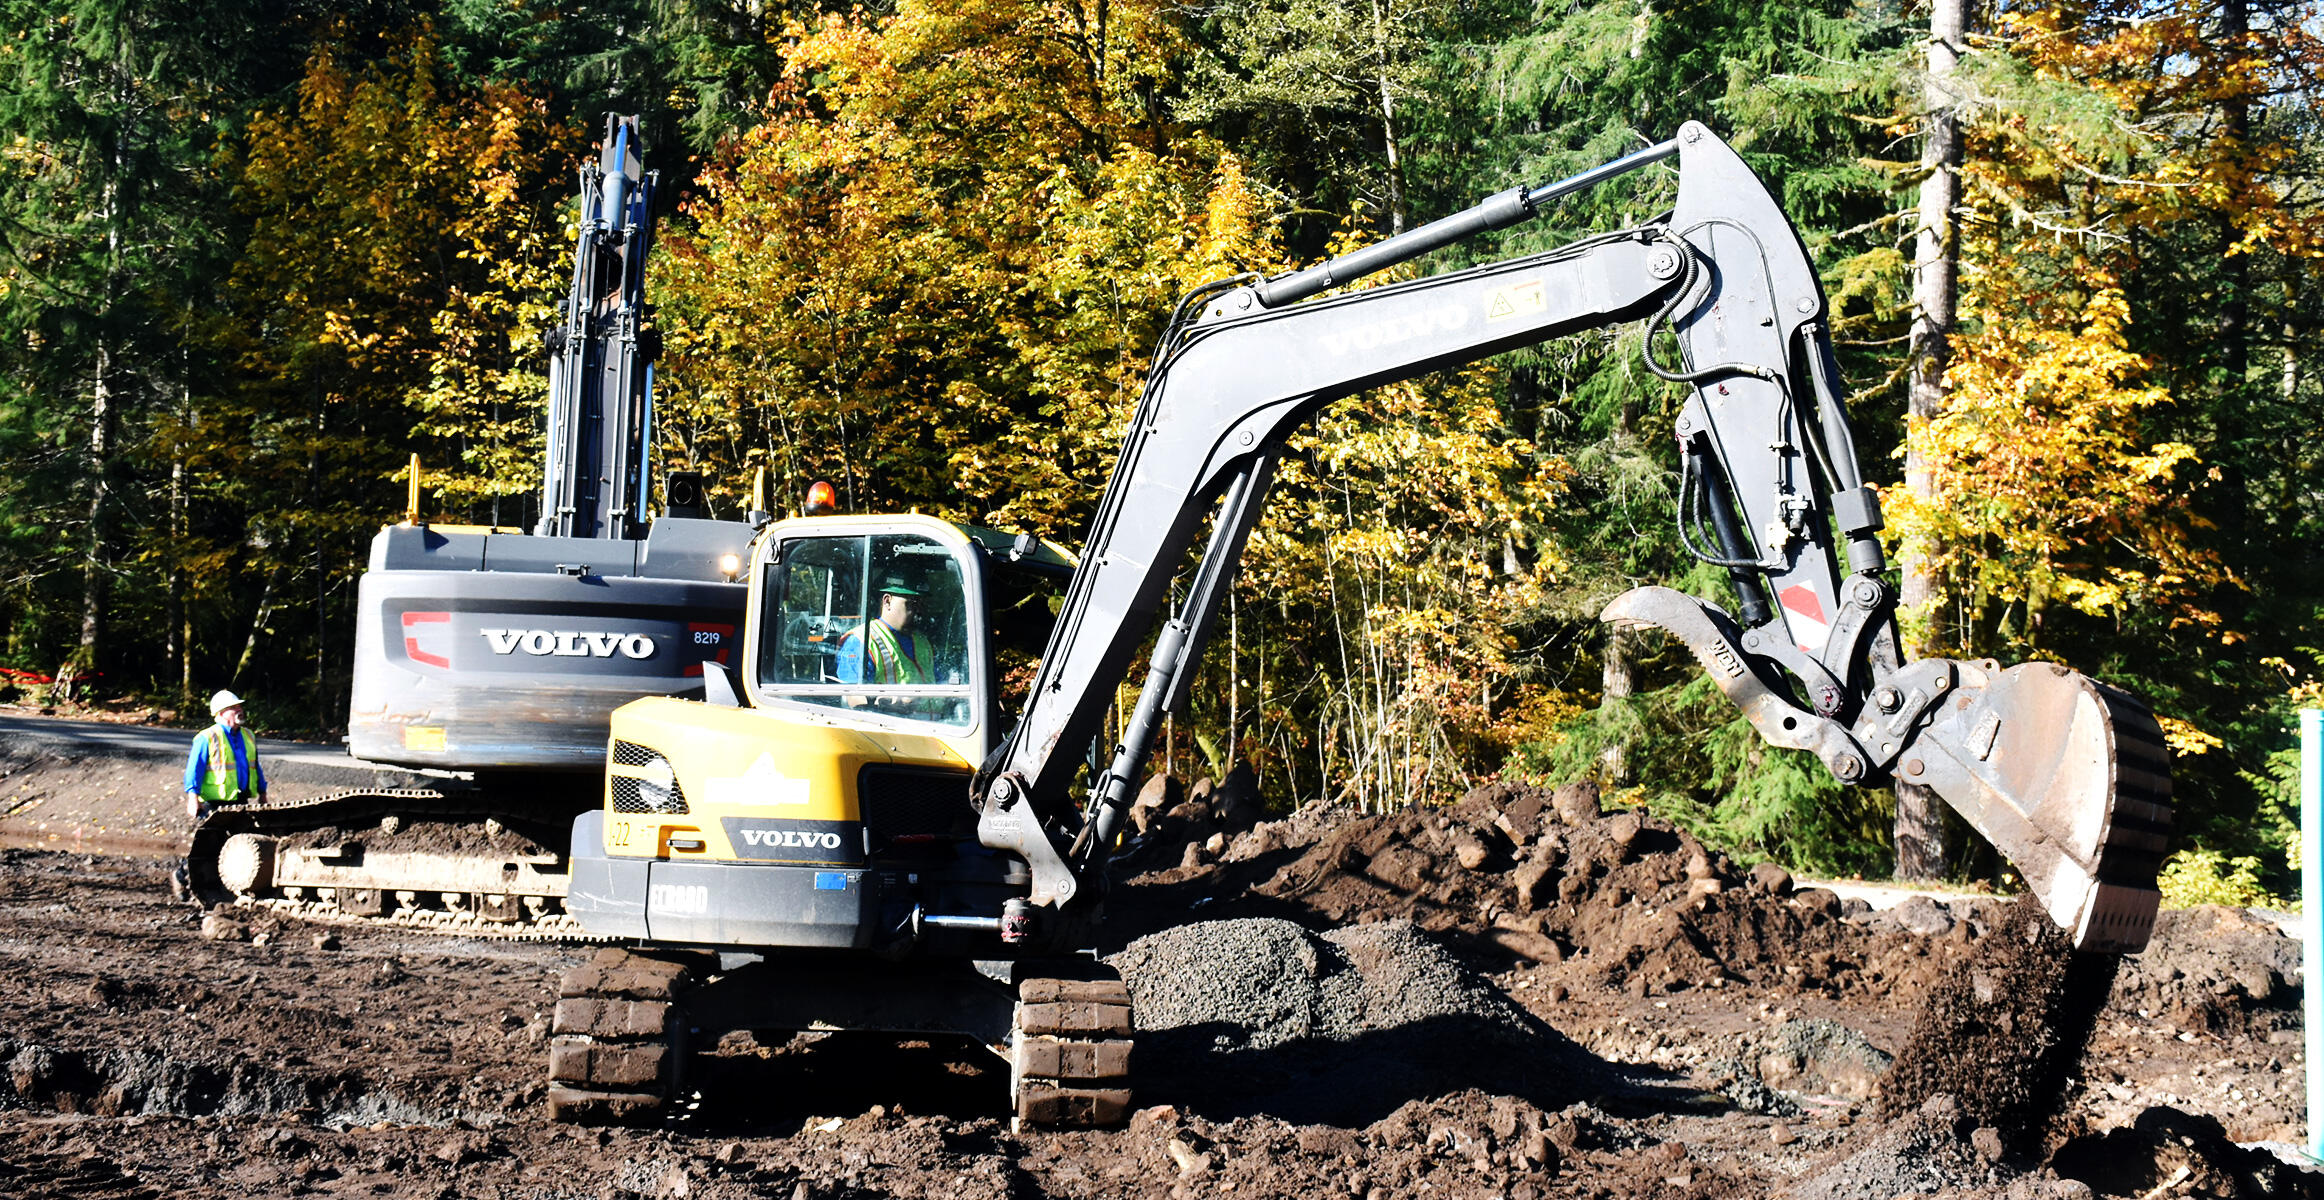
{"x":2067,"y":777}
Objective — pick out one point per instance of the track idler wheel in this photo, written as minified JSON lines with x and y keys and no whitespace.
{"x":617,"y":1042}
{"x":1069,"y":1060}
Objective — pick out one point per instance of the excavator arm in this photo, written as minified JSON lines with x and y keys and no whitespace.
{"x":2067,"y":777}
{"x":601,"y":356}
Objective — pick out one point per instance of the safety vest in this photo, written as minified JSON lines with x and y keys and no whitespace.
{"x":220,"y":784}
{"x":888,"y":658}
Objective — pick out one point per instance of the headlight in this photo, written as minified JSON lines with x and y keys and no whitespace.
{"x":657,"y":785}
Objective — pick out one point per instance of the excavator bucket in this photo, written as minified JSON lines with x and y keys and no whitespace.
{"x":2069,"y":779}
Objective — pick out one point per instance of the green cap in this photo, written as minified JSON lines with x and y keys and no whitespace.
{"x":894,"y":585}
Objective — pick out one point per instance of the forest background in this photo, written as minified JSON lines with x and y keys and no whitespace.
{"x":253,"y":253}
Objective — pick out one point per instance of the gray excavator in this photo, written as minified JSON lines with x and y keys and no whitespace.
{"x":818,"y":845}
{"x":488,"y":658}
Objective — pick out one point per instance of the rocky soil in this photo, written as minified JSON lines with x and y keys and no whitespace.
{"x":1517,"y":996}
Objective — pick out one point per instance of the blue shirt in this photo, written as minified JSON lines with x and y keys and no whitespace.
{"x":245,"y":771}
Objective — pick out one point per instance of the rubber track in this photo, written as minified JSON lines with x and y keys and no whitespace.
{"x":617,"y":1047}
{"x":364,"y":807}
{"x":1069,"y":1059}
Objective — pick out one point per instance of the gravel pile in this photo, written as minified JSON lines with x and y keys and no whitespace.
{"x":1409,"y":978}
{"x":1260,"y":1015}
{"x":1259,"y":983}
{"x":1821,"y":1056}
{"x":1932,"y":1149}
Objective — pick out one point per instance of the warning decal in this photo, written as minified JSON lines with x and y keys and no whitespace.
{"x":1516,"y":300}
{"x":1803,"y":611}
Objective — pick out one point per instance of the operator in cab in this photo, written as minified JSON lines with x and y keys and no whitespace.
{"x":885,"y":650}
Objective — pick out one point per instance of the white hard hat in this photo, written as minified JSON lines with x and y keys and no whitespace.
{"x":223,"y":701}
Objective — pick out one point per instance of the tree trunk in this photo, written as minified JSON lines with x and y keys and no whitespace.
{"x":95,"y":548}
{"x":2235,"y":460}
{"x":98,"y":548}
{"x":1382,"y":43}
{"x":1920,"y":830}
{"x":1615,"y":683}
{"x":257,"y":626}
{"x":2288,"y":384}
{"x":180,"y":614}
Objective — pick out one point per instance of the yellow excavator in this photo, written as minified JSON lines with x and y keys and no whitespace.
{"x":878,"y":823}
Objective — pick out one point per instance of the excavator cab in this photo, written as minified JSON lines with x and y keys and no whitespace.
{"x":873,"y":622}
{"x":821,"y":798}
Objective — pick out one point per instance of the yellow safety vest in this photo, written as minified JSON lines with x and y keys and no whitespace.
{"x":887,"y":655}
{"x":220,"y":784}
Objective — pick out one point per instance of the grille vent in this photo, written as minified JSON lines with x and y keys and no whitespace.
{"x":630,"y":793}
{"x":903,"y":801}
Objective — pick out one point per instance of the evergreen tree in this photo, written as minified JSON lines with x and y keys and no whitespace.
{"x":111,"y":238}
{"x":1802,"y":92}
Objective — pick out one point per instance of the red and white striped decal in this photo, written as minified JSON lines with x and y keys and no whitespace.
{"x":1803,"y":612}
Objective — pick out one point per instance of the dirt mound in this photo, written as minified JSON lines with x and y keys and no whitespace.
{"x":1259,"y":1015}
{"x":129,"y":1081}
{"x":1632,"y":901}
{"x":72,"y":799}
{"x":2214,"y":970}
{"x":2169,"y":1152}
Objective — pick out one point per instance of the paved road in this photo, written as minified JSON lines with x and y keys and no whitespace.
{"x":160,"y":740}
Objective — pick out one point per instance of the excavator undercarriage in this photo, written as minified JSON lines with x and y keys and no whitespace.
{"x":477,"y":865}
{"x":626,"y":1019}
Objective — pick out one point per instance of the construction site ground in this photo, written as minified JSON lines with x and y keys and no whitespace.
{"x":1517,"y":996}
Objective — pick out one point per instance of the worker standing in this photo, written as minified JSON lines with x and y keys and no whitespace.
{"x":222,"y":768}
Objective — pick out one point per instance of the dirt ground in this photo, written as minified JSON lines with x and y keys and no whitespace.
{"x":1519,"y":996}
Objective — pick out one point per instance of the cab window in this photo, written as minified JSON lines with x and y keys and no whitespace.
{"x":876,"y":623}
